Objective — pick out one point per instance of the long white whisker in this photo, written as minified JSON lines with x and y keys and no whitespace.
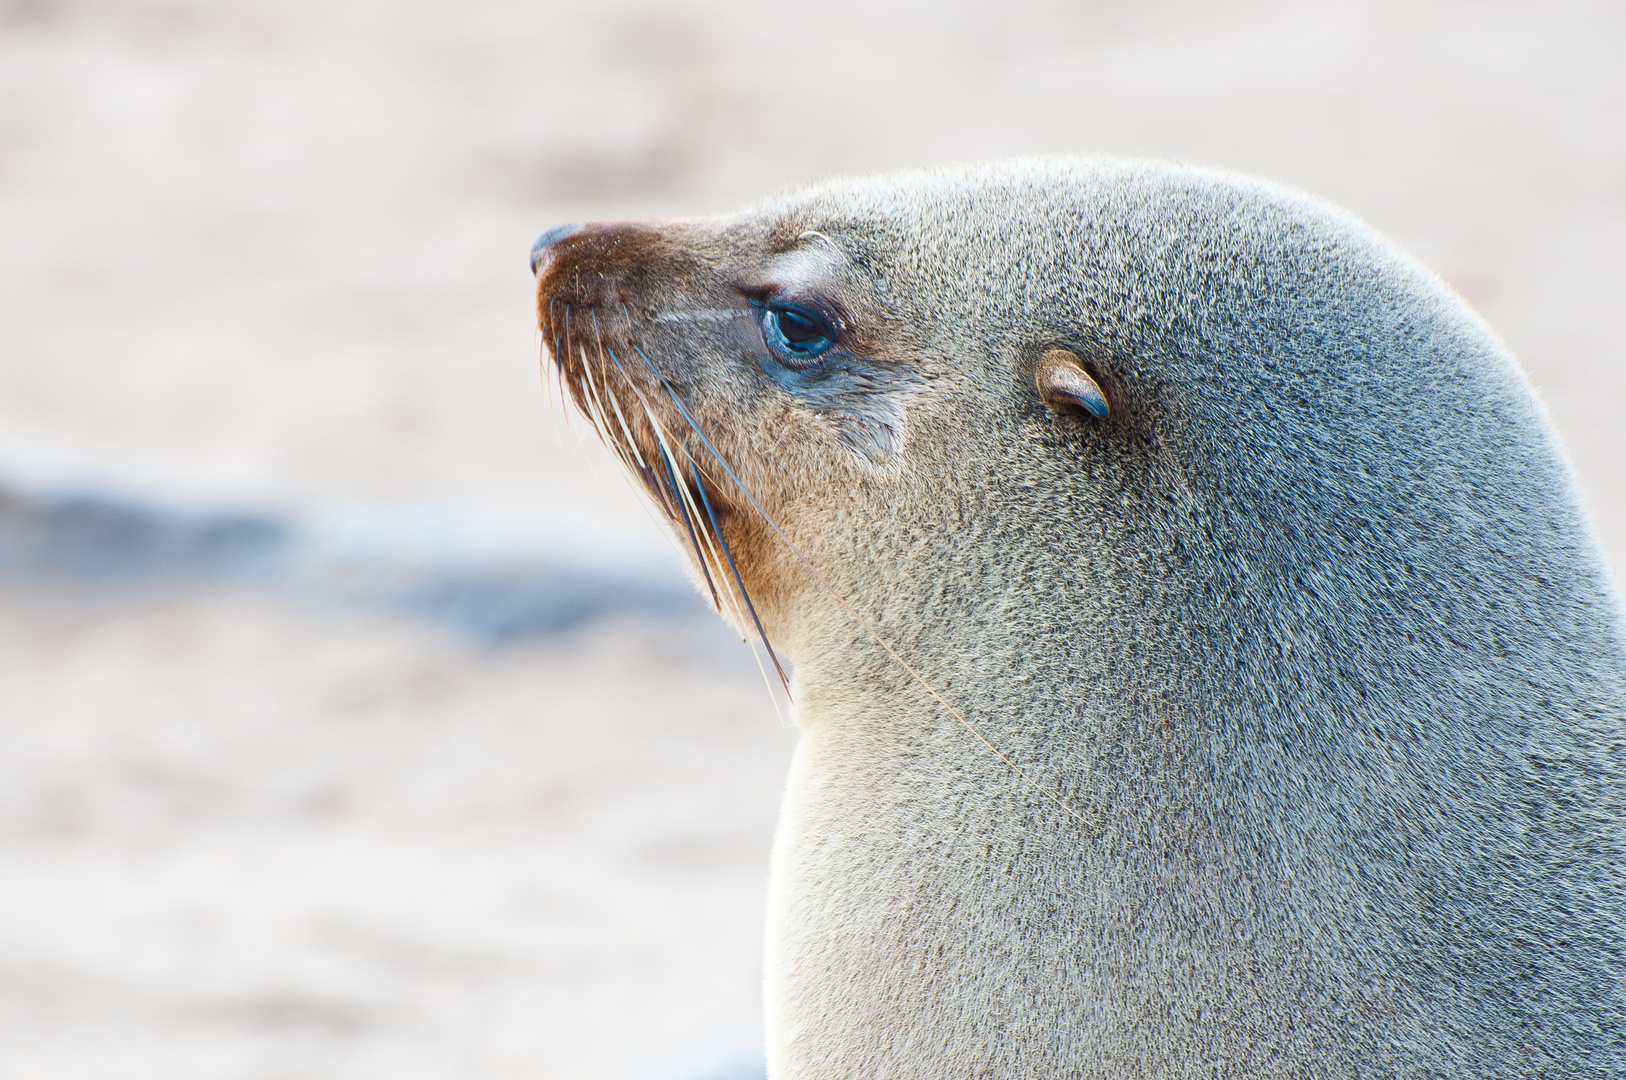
{"x":615,"y":402}
{"x":622,"y":420}
{"x":715,"y":530}
{"x":553,"y":382}
{"x":714,"y":562}
{"x":642,"y":490}
{"x":685,"y":505}
{"x":595,"y":410}
{"x":711,"y":564}
{"x":734,"y":571}
{"x":709,"y":559}
{"x":570,"y":387}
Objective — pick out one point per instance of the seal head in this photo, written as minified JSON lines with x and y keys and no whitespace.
{"x":1203,"y":660}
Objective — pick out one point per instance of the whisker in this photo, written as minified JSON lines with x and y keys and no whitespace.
{"x":711,"y":560}
{"x":595,"y":407}
{"x":756,"y":658}
{"x":688,"y":524}
{"x":567,"y":385}
{"x":667,"y":456}
{"x":714,"y":535}
{"x":717,"y":531}
{"x":615,"y":399}
{"x":643,"y":469}
{"x":671,"y":498}
{"x":713,"y":538}
{"x":711,"y":557}
{"x":626,"y":451}
{"x":615,"y":404}
{"x":836,"y":595}
{"x":544,"y":353}
{"x":646,"y":497}
{"x":636,"y":467}
{"x":555,"y":381}
{"x":710,"y":315}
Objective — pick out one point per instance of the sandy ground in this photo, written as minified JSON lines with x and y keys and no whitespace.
{"x":241,"y":841}
{"x":279,"y":248}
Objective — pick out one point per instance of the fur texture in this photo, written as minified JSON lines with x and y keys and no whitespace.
{"x":1306,"y":655}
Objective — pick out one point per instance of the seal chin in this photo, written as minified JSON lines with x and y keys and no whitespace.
{"x":539,"y":250}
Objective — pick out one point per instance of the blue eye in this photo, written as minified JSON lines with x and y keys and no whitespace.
{"x":797,"y":336}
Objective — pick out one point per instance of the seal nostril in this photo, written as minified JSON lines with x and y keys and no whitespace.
{"x":558,"y":232}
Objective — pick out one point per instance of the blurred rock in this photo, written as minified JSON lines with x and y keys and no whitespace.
{"x":492,"y":578}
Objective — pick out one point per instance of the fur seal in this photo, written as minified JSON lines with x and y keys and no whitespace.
{"x":1204,"y":663}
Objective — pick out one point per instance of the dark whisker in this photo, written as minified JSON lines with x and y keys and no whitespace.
{"x":648,"y":415}
{"x":676,"y":401}
{"x":665,"y":459}
{"x":691,"y":518}
{"x":716,"y":531}
{"x":568,"y":384}
{"x":688,"y":524}
{"x":615,"y":401}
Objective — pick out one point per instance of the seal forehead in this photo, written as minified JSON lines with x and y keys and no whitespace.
{"x":1099,"y":240}
{"x":1006,"y":212}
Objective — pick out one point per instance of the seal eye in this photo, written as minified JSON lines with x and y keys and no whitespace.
{"x":797,"y":329}
{"x":796,"y":335}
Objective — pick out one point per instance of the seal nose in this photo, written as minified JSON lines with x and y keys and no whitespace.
{"x":558,"y":232}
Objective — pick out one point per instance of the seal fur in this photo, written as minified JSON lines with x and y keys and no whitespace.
{"x":1299,"y":679}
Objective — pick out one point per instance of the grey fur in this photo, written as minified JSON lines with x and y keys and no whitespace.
{"x":1308,"y":651}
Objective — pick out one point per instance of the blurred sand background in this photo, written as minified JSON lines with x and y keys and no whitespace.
{"x":274,"y":253}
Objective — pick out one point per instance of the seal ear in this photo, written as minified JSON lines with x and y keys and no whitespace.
{"x":1063,"y":384}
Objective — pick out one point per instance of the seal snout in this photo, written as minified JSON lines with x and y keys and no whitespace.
{"x":547,"y":239}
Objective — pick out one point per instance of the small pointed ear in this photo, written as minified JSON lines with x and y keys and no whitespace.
{"x":1064,"y":384}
